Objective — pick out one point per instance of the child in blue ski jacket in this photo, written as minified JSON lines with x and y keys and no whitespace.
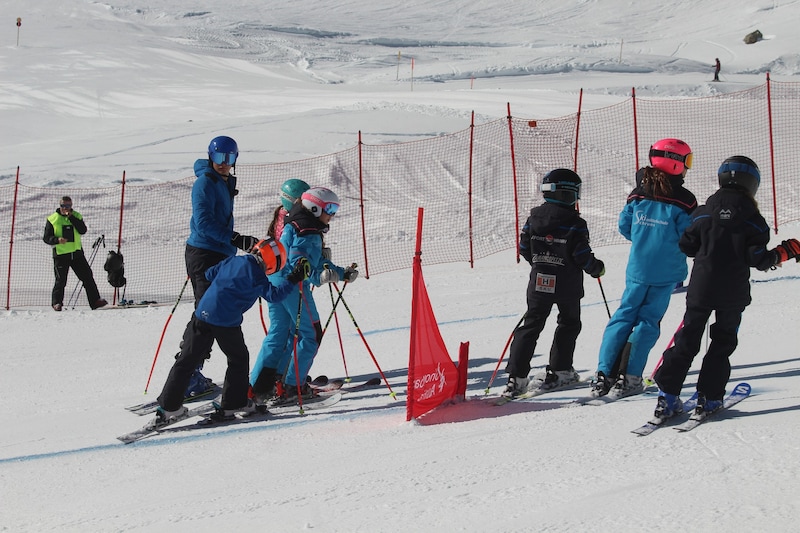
{"x":302,"y":234}
{"x":657,"y":212}
{"x":235,"y":284}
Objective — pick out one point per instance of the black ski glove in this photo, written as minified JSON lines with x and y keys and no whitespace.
{"x":598,"y":269}
{"x":300,"y":272}
{"x":243,"y":242}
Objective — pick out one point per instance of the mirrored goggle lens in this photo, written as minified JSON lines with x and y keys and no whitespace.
{"x":331,"y":208}
{"x":564,"y":186}
{"x":685,"y":159}
{"x":66,"y":206}
{"x":220,"y":158}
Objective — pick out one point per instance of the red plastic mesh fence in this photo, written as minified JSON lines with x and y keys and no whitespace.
{"x":475,"y":194}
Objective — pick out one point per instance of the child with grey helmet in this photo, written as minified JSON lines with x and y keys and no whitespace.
{"x":305,"y":225}
{"x":555,"y":242}
{"x":727,"y":237}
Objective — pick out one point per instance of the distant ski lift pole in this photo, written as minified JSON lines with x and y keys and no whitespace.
{"x":19,"y":23}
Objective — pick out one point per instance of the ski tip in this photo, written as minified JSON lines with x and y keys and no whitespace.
{"x":374,"y":381}
{"x":742,"y":388}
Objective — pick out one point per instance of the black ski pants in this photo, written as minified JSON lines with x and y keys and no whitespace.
{"x":77,"y":262}
{"x":198,"y":261}
{"x":525,"y":337}
{"x":197,"y":340}
{"x":716,"y":368}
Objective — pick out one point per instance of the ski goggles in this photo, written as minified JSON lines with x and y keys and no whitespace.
{"x":66,"y":206}
{"x":331,"y":208}
{"x":685,"y":159}
{"x":221,"y":158}
{"x":563,"y":186}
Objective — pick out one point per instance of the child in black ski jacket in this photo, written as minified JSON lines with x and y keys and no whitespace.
{"x":726,"y":238}
{"x":555,"y":241}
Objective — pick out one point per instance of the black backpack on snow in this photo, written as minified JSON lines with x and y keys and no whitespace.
{"x":115,"y":266}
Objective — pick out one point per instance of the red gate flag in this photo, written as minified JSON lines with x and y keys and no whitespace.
{"x":432,"y":376}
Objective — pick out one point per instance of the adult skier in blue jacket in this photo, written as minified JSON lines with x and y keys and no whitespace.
{"x":235,"y":284}
{"x":657,"y":212}
{"x":211,"y":235}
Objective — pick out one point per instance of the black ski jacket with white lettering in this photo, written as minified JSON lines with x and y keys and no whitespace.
{"x":555,"y":241}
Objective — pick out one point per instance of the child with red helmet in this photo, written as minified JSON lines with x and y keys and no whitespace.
{"x":655,"y":215}
{"x":235,"y":284}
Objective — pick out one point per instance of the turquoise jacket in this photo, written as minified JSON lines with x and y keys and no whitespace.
{"x":654,"y":226}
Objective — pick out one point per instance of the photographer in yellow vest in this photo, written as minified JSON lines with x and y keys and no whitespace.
{"x":63,"y":232}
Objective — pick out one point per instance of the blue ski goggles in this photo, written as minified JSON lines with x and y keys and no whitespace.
{"x":221,"y":158}
{"x":331,"y":208}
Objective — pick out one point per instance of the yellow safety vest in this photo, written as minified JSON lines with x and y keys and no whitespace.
{"x":60,"y":224}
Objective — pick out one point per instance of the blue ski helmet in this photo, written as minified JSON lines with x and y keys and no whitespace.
{"x":223,"y":150}
{"x":291,"y":191}
{"x":739,"y":172}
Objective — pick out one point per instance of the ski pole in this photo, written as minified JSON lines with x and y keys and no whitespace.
{"x":600,"y":283}
{"x":339,"y":334}
{"x":294,"y":345}
{"x":261,"y":315}
{"x":502,"y":355}
{"x":336,"y":303}
{"x":158,"y":348}
{"x":649,"y":381}
{"x":79,"y":285}
{"x":369,"y":350}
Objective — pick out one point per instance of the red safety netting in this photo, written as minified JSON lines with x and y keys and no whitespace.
{"x":476,"y":186}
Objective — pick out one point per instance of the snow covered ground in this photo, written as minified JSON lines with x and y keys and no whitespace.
{"x":95,"y":88}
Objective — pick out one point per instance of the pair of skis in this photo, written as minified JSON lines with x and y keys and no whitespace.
{"x":339,"y":385}
{"x":321,"y":384}
{"x":146,"y":408}
{"x":206,"y":409}
{"x":739,"y":393}
{"x":330,"y":395}
{"x":535,"y":389}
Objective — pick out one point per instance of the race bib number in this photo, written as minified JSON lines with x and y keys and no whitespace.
{"x":545,"y":283}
